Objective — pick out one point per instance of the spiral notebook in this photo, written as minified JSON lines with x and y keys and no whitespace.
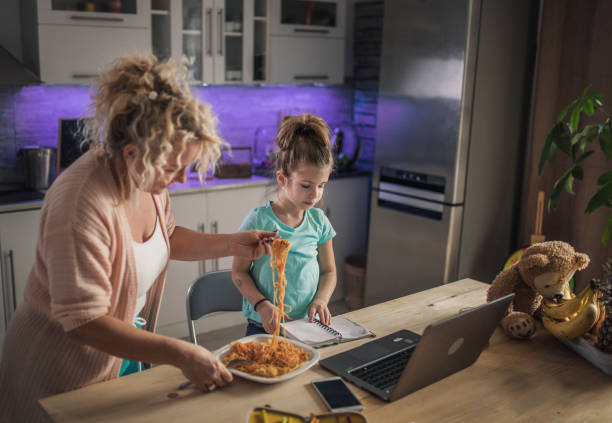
{"x":317,"y":334}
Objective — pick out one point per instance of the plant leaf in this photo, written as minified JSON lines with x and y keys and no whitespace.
{"x":605,"y":140}
{"x":605,"y":178}
{"x":607,"y":233}
{"x":584,"y":156}
{"x":557,"y":188}
{"x":564,"y":143}
{"x":589,"y":109}
{"x":548,"y":151}
{"x":600,"y":199}
{"x":578,"y":172}
{"x":575,"y":118}
{"x":565,"y":110}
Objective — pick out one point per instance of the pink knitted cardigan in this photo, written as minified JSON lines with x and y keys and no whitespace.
{"x":84,"y":269}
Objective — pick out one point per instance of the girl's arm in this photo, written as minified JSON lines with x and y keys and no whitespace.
{"x":186,"y":244}
{"x":116,"y":337}
{"x":327,"y":283}
{"x":241,"y":276}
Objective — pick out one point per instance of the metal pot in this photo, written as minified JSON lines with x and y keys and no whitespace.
{"x":37,"y":166}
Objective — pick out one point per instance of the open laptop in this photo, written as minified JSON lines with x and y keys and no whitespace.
{"x":403,"y":362}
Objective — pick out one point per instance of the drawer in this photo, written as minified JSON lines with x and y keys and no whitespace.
{"x":295,"y":60}
{"x":75,"y":54}
{"x":139,"y":18}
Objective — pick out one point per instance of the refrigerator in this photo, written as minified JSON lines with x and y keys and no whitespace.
{"x":452,"y":118}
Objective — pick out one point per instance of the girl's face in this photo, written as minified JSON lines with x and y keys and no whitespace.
{"x":304,"y":186}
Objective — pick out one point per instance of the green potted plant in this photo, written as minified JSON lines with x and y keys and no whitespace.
{"x":578,"y":142}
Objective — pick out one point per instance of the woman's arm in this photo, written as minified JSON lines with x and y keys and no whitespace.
{"x":186,"y":244}
{"x":241,"y":276}
{"x":327,"y":283}
{"x":118,"y":338}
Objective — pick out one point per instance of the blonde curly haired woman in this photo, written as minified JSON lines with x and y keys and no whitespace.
{"x":106,"y":234}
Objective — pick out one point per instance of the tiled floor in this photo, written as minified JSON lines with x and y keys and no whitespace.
{"x":218,"y":338}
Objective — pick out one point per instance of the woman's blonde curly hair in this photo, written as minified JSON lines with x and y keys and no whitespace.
{"x":148,"y":103}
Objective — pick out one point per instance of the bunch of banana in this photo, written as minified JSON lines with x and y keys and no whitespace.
{"x":571,"y":318}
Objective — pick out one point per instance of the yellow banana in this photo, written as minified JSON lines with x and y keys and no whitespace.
{"x":566,"y":308}
{"x":575,"y":327}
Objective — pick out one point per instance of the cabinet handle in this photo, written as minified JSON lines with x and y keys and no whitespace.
{"x":312,"y":31}
{"x":202,"y":263}
{"x":299,"y":77}
{"x":8,"y":288}
{"x":220,"y":17}
{"x":95,"y":18}
{"x":209,"y":30}
{"x":84,"y":75}
{"x":214,"y":228}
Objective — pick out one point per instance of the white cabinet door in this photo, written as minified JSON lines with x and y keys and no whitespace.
{"x":18,"y":238}
{"x":133,"y":13}
{"x":190,"y":212}
{"x":75,"y":54}
{"x":346,"y":204}
{"x":226,"y":211}
{"x":297,"y":60}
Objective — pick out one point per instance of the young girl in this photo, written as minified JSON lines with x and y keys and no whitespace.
{"x":304,"y":162}
{"x":106,"y":235}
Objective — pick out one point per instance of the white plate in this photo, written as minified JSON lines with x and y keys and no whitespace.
{"x":314,"y":358}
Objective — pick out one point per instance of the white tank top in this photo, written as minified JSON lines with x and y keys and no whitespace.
{"x":151,"y":258}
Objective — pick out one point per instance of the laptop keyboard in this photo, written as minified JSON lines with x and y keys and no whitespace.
{"x":384,"y":373}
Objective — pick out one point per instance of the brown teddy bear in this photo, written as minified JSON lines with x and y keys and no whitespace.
{"x":544,"y":270}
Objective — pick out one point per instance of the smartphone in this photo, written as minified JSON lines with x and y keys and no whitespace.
{"x":336,"y":395}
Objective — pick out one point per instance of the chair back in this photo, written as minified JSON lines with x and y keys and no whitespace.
{"x":211,"y":292}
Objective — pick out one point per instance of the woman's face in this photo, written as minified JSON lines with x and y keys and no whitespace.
{"x":172,"y":171}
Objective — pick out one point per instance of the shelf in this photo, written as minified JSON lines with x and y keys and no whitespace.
{"x":160,"y":12}
{"x":233,"y":34}
{"x":192,"y":32}
{"x":260,"y":18}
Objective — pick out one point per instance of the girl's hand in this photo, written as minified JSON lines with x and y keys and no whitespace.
{"x":269,"y":316}
{"x":252,"y":244}
{"x":319,"y":307}
{"x":202,"y":368}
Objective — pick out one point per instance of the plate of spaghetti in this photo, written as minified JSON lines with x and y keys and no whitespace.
{"x":268,"y":363}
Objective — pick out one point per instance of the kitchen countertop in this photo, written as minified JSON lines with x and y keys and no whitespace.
{"x":193,"y":185}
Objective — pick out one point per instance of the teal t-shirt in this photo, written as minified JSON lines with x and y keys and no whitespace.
{"x":302,"y":267}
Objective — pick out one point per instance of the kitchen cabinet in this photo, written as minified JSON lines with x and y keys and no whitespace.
{"x":68,"y":42}
{"x":307,"y":41}
{"x":219,"y":41}
{"x":346,"y":204}
{"x":18,"y":238}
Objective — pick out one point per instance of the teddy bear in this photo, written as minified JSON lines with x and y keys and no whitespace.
{"x":544,"y":270}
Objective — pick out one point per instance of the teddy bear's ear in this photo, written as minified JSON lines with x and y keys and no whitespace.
{"x":581,"y":261}
{"x":534,"y":260}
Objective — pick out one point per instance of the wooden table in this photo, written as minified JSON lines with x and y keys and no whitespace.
{"x":534,"y":381}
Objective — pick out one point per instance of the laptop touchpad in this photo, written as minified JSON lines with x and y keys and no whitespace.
{"x":369,"y":352}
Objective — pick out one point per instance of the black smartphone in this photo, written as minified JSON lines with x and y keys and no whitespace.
{"x":336,"y":395}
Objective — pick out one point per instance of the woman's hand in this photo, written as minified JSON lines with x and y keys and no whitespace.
{"x":269,"y":316}
{"x":252,"y":244}
{"x":202,"y":368}
{"x":318,"y":306}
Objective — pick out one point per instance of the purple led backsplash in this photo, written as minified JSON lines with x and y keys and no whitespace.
{"x":29,"y":115}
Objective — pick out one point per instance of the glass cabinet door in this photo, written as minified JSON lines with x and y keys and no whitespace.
{"x":260,"y":41}
{"x":192,"y":35}
{"x":160,"y":29}
{"x":310,"y":13}
{"x":233,"y":40}
{"x":104,"y":6}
